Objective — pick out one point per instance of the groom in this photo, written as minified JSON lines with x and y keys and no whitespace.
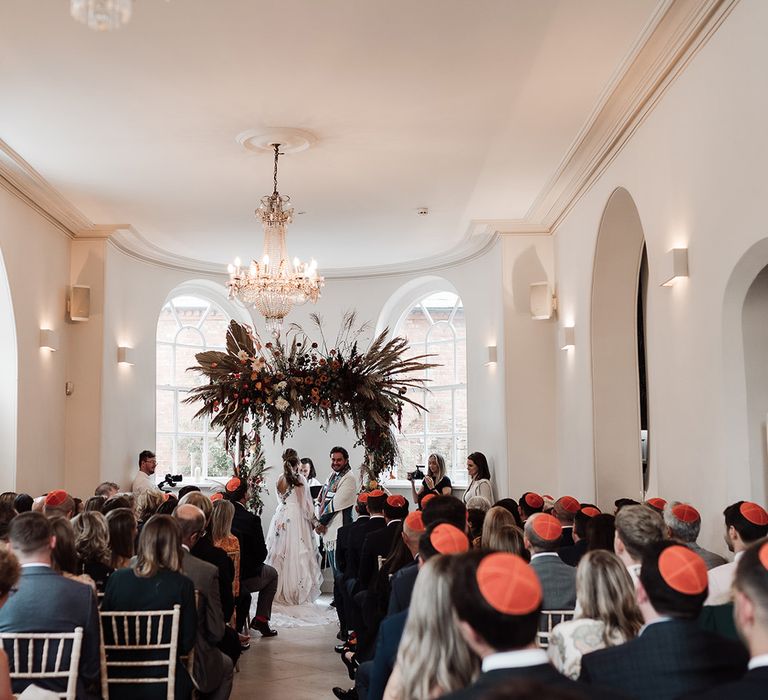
{"x":336,"y":501}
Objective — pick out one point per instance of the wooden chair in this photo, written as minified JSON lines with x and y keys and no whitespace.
{"x":139,"y":632}
{"x":549,"y":619}
{"x":36,"y":656}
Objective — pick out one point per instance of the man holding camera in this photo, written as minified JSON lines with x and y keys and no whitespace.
{"x":145,"y":478}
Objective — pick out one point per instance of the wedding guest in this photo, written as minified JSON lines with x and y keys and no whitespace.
{"x":479,"y":476}
{"x":447,"y":509}
{"x":221,"y":530}
{"x":558,"y":580}
{"x":169,"y":504}
{"x":658,"y":504}
{"x":9,"y":575}
{"x":307,"y":470}
{"x":606,"y":613}
{"x":23,"y":503}
{"x":92,"y":545}
{"x":59,"y":502}
{"x":479,"y":503}
{"x":530,"y":503}
{"x":402,"y":582}
{"x":432,"y":659}
{"x":64,"y":555}
{"x":572,"y":555}
{"x":601,"y":532}
{"x":189,"y":488}
{"x":156,"y":583}
{"x":122,"y":536}
{"x":508,"y":538}
{"x":511,"y":505}
{"x":8,"y":498}
{"x":475,"y":522}
{"x":147,"y":504}
{"x":496,"y":518}
{"x":683,"y":524}
{"x":95,"y":503}
{"x":435,"y":480}
{"x":115,"y":503}
{"x":107,"y":489}
{"x":620,"y":503}
{"x":565,"y":509}
{"x":637,"y":528}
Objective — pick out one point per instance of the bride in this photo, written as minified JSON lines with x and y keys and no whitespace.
{"x":290,"y":540}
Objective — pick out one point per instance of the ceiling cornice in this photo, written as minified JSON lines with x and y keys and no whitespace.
{"x":677,"y":30}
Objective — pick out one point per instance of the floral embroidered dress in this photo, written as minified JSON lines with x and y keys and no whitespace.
{"x":291,"y":547}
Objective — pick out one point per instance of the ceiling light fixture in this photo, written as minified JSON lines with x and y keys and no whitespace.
{"x":101,"y":15}
{"x":275,"y":285}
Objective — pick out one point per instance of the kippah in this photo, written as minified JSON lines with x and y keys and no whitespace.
{"x":508,"y":584}
{"x":754,"y":513}
{"x":657,"y":503}
{"x":427,"y":499}
{"x":396,"y":501}
{"x":377,"y":493}
{"x":569,"y":503}
{"x":216,"y":497}
{"x":763,"y":555}
{"x":683,"y":570}
{"x":534,"y":500}
{"x":166,"y":496}
{"x":590,"y":511}
{"x":448,"y":539}
{"x":547,"y":497}
{"x":233,"y":484}
{"x":362,"y":498}
{"x":56,"y":498}
{"x":414,"y":521}
{"x":686,"y":513}
{"x":547,"y":527}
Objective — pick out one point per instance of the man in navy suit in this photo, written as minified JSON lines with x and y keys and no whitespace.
{"x":672,"y":655}
{"x":377,"y":544}
{"x":750,"y":600}
{"x":47,"y":602}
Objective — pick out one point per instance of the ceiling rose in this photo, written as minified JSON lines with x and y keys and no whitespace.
{"x":290,"y":140}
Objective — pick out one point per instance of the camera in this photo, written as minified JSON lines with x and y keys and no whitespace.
{"x":417,"y":473}
{"x":171,"y":480}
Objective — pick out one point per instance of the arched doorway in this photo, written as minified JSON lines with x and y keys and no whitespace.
{"x":617,"y":327}
{"x":9,"y":381}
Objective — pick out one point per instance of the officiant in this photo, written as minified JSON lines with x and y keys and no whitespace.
{"x":336,"y":501}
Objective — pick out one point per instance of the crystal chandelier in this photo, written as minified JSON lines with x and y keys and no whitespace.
{"x":275,"y":285}
{"x":101,"y":15}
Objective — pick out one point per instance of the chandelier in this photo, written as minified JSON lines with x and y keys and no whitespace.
{"x":274,"y":285}
{"x":101,"y":15}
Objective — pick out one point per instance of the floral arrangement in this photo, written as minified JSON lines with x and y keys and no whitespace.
{"x":279,"y":383}
{"x":253,"y":468}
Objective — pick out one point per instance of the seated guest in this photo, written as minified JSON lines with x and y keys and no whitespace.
{"x":620,"y":503}
{"x":169,"y":504}
{"x":475,"y":522}
{"x":64,"y":555}
{"x":116,"y":502}
{"x":47,"y":602}
{"x":23,"y":503}
{"x":606,"y":613}
{"x":92,"y":545}
{"x":9,"y":575}
{"x":122,"y":536}
{"x":435,"y":481}
{"x":601,"y":532}
{"x":558,"y":580}
{"x":189,"y":488}
{"x":511,"y":505}
{"x":156,"y":583}
{"x":107,"y":489}
{"x":479,"y":478}
{"x":496,"y":518}
{"x":403,"y":581}
{"x":565,"y":510}
{"x":750,"y":586}
{"x":479,"y":503}
{"x":683,"y":524}
{"x":497,"y":599}
{"x":95,"y":503}
{"x":745,"y":523}
{"x":658,"y":504}
{"x":530,"y":503}
{"x":432,"y":658}
{"x":510,"y":539}
{"x":572,"y":555}
{"x":378,"y":543}
{"x":672,"y":655}
{"x":447,"y":509}
{"x":147,"y":504}
{"x":7,"y":499}
{"x":222,"y":514}
{"x":59,"y":503}
{"x":637,"y":528}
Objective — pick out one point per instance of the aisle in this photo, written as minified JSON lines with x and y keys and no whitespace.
{"x":298,"y":664}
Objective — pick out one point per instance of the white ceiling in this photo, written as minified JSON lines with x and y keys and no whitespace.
{"x":464,"y":106}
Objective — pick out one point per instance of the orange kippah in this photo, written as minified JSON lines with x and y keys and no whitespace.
{"x":547,"y":527}
{"x":448,"y":539}
{"x":377,"y":493}
{"x":427,"y":499}
{"x":56,"y":498}
{"x":686,"y":513}
{"x":657,"y":503}
{"x":396,"y":501}
{"x":362,"y":498}
{"x":590,"y":511}
{"x":508,"y":584}
{"x":216,"y":497}
{"x":233,"y":484}
{"x":683,"y":570}
{"x":166,"y":496}
{"x":754,"y":513}
{"x":763,"y":555}
{"x":534,"y":500}
{"x":569,"y":503}
{"x":415,"y":522}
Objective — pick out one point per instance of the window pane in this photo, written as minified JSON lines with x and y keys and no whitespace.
{"x":461,"y":362}
{"x":413,"y":420}
{"x":190,"y":336}
{"x":166,"y":324}
{"x":164,"y":364}
{"x":164,"y":454}
{"x":214,"y":327}
{"x":164,"y":411}
{"x":185,"y":358}
{"x":459,"y":324}
{"x":442,"y":356}
{"x":186,"y":423}
{"x":411,"y":454}
{"x":414,"y":326}
{"x":460,"y":409}
{"x":441,"y":445}
{"x":188,"y":454}
{"x":219,"y":463}
{"x":460,"y":467}
{"x":440,"y":416}
{"x":441,"y":332}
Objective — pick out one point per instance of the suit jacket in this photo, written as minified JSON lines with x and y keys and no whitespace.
{"x":558,"y":582}
{"x":710,"y":558}
{"x":390,"y":634}
{"x":566,"y":539}
{"x":572,"y":555}
{"x":342,"y":543}
{"x":205,"y":549}
{"x":667,"y":660}
{"x":253,"y":550}
{"x":377,"y":544}
{"x":209,"y":667}
{"x":47,"y":602}
{"x":401,"y":588}
{"x":752,"y":685}
{"x":360,"y":530}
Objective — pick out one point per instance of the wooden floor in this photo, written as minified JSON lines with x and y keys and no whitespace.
{"x":298,"y":664}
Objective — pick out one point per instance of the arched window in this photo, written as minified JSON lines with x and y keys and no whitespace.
{"x":187,"y":325}
{"x":435,"y":325}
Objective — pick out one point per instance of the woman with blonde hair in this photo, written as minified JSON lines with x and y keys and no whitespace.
{"x":147,"y":504}
{"x":221,"y":531}
{"x":435,"y":482}
{"x":92,"y":545}
{"x":507,"y":538}
{"x":496,"y":518}
{"x":607,"y":613}
{"x":433,"y":659}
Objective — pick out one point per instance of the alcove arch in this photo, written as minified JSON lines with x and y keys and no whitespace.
{"x":9,"y":383}
{"x":615,"y":358}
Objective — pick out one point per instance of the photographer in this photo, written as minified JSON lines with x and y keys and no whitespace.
{"x":434,"y":482}
{"x":144,"y":479}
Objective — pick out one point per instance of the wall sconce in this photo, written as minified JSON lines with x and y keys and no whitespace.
{"x":674,"y":265}
{"x":125,"y":356}
{"x":492,"y":355}
{"x":567,"y":337}
{"x":543,"y":302}
{"x":49,"y":340}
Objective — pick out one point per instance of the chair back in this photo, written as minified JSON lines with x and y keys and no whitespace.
{"x":43,"y":656}
{"x":136,"y":641}
{"x":548,"y":621}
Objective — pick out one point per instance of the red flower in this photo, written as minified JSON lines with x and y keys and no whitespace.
{"x":322,"y":362}
{"x":325,"y":403}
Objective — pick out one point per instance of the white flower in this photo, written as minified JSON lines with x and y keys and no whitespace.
{"x":282,"y":385}
{"x":281,"y":404}
{"x":242,"y":356}
{"x":257,"y":363}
